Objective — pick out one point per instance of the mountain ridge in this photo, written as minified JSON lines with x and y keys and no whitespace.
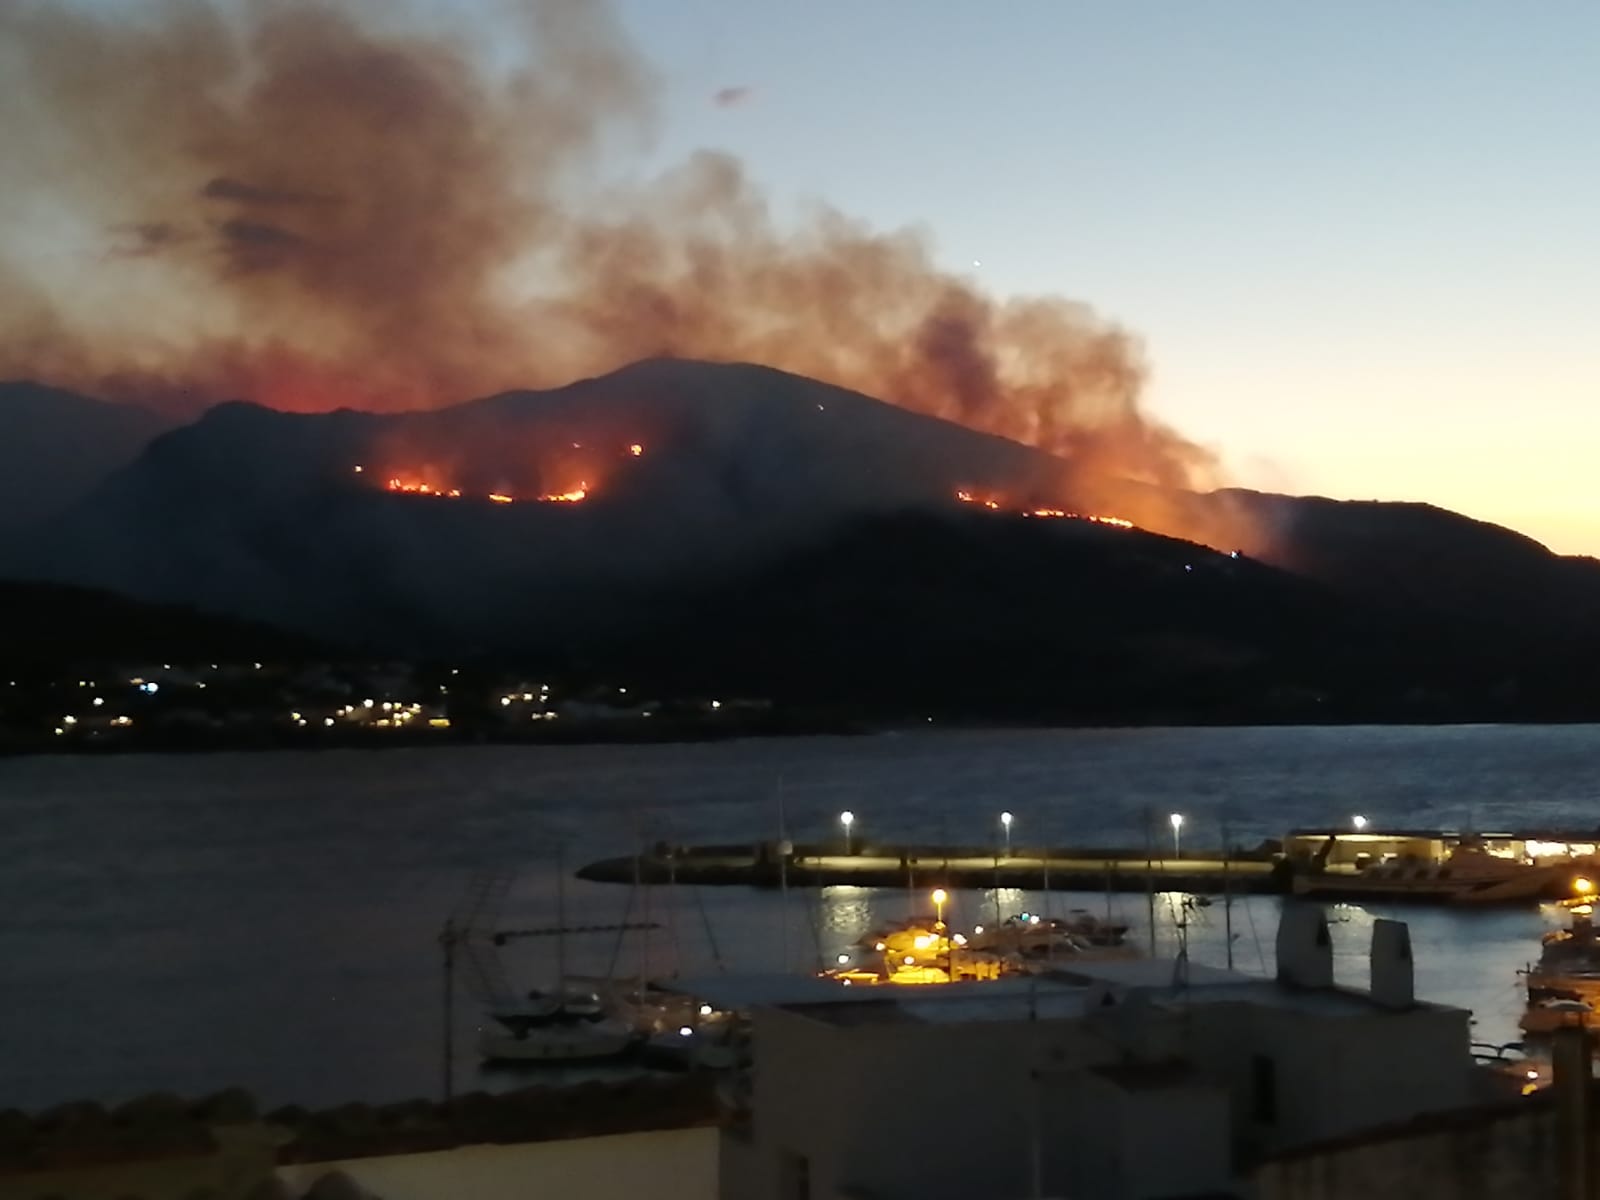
{"x":697,"y":477}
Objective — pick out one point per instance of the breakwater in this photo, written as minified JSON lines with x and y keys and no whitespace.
{"x":771,"y":865}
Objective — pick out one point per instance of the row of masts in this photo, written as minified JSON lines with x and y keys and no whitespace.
{"x":470,"y":934}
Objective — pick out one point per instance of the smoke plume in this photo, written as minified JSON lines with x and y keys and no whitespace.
{"x":317,"y":204}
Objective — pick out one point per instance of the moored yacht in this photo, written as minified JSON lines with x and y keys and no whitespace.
{"x":1563,"y":987}
{"x":557,"y":1037}
{"x":1469,"y":874}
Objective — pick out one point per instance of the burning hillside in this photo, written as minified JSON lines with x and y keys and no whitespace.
{"x":998,"y":504}
{"x":562,"y":475}
{"x":248,"y":224}
{"x":414,"y":487}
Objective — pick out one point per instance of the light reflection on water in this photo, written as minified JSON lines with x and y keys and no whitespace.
{"x":189,"y":922}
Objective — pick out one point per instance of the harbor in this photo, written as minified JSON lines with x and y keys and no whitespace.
{"x":1420,"y":865}
{"x":766,"y":865}
{"x":241,"y":861}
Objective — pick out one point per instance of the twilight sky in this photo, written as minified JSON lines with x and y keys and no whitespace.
{"x":1359,"y":240}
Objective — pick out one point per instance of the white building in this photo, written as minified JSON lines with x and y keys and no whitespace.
{"x":1127,"y":1079}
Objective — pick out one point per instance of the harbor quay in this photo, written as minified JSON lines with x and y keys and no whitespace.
{"x":1426,"y":866}
{"x":775,"y":864}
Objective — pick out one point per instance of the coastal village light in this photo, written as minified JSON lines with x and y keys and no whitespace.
{"x":1359,"y":822}
{"x":1176,"y":820}
{"x":1005,"y":823}
{"x":847,"y":819}
{"x":939,"y":897}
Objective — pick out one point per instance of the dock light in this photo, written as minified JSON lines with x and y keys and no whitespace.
{"x":685,"y":1031}
{"x":843,"y":959}
{"x":939,"y":897}
{"x":1582,"y":886}
{"x":847,"y":819}
{"x":1005,"y":823}
{"x":1176,"y":821}
{"x":1359,"y":822}
{"x":705,"y":1010}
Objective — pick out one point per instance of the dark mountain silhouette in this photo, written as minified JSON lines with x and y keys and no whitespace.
{"x":764,"y":527}
{"x":261,"y":513}
{"x":56,"y":446}
{"x":55,"y":625}
{"x":1019,"y":618}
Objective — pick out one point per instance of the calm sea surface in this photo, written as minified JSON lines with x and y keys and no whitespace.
{"x":187,"y":923}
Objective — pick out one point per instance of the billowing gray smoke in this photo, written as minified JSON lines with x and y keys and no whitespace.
{"x":321,"y":203}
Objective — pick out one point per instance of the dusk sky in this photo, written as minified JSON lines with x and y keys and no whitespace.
{"x":1358,"y":240}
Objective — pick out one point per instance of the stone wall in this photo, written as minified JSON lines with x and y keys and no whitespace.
{"x":1506,"y":1152}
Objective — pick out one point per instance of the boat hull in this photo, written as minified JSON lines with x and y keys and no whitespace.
{"x":1528,"y":888}
{"x":587,"y":1042}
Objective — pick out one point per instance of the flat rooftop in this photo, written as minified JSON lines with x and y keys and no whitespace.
{"x":1062,"y":994}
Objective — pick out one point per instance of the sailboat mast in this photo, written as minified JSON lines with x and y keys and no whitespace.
{"x":783,"y":884}
{"x":448,"y":940}
{"x":1227,"y":895}
{"x":1150,"y":881}
{"x":561,"y":917}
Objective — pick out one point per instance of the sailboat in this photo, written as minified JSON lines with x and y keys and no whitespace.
{"x":562,"y":1025}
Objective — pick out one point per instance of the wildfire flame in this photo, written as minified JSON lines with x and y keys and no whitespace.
{"x":397,"y":484}
{"x":993,"y":505}
{"x":577,"y":494}
{"x":425,"y":482}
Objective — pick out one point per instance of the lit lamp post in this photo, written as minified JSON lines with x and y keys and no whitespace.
{"x":939,"y":897}
{"x":1005,"y":824}
{"x":1359,"y":822}
{"x":1176,"y":820}
{"x":847,"y":819}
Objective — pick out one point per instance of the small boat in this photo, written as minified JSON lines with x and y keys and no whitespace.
{"x":1547,"y":1016}
{"x":567,"y":1024}
{"x":1563,"y":987}
{"x":690,"y":1048}
{"x":559,"y":1040}
{"x":1034,"y":936}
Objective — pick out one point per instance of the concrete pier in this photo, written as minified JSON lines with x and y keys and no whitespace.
{"x":1057,"y":869}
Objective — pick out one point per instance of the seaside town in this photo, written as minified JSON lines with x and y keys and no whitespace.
{"x":269,"y":705}
{"x":627,"y":600}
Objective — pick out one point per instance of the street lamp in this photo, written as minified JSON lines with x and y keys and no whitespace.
{"x":1177,"y":834}
{"x":939,"y":897}
{"x":1005,"y":823}
{"x":1359,"y":822}
{"x":847,"y":819}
